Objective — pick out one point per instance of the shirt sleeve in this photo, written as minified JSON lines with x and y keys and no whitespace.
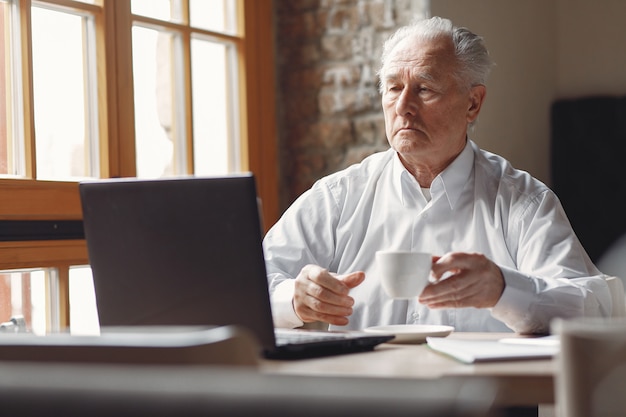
{"x":282,"y":305}
{"x":528,"y":304}
{"x":304,"y":235}
{"x":554,"y":275}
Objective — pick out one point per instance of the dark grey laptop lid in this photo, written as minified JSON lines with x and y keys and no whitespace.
{"x":182,"y":251}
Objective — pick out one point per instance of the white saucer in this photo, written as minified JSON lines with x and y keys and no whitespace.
{"x":411,"y":333}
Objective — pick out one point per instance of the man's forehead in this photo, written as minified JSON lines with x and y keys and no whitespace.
{"x":422,"y":57}
{"x":417,"y":48}
{"x":407,"y":70}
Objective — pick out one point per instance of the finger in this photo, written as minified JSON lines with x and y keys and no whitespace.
{"x":458,"y":282}
{"x":331,"y":287}
{"x":314,"y":301}
{"x":353,"y":279}
{"x":458,"y":300}
{"x":310,"y":308}
{"x":442,"y":291}
{"x":323,"y":295}
{"x":480,"y":288}
{"x":308,"y":315}
{"x":450,"y":262}
{"x":323,"y":288}
{"x":325,"y":279}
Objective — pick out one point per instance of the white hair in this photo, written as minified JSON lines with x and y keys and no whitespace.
{"x":474,"y":62}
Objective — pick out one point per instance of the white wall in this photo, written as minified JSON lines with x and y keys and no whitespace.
{"x":521,"y":38}
{"x":592,"y":48}
{"x":544,"y":49}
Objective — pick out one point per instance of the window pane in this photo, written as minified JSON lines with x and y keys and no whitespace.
{"x":63,"y":105}
{"x":11,"y":137}
{"x":215,"y":15}
{"x":169,"y":10}
{"x":214,"y":149}
{"x":157,"y":123}
{"x":24,"y":294}
{"x":5,"y":84}
{"x":83,"y":310}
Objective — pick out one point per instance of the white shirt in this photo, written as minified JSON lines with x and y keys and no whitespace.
{"x":479,"y":203}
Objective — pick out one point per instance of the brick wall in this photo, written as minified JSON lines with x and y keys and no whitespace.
{"x":329,"y":111}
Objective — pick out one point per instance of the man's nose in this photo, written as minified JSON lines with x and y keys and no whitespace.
{"x":406,"y":103}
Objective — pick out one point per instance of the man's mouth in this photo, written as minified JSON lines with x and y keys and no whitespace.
{"x":407,"y":129}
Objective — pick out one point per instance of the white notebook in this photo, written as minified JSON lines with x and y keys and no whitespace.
{"x":472,"y":351}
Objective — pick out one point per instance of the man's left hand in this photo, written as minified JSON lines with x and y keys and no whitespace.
{"x":463,"y":280}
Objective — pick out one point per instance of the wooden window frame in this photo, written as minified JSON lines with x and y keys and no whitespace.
{"x":36,"y":200}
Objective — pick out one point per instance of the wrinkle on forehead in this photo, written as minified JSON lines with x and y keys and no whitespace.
{"x":424,"y":58}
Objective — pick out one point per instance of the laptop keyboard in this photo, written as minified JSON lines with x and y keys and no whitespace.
{"x":291,"y":336}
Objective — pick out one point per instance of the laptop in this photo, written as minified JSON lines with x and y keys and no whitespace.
{"x":188,"y":251}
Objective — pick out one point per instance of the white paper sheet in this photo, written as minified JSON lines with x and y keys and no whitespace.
{"x":472,"y":351}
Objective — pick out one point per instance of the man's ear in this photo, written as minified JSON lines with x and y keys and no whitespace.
{"x":476,"y":97}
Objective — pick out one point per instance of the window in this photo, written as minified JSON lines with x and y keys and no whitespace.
{"x":108,"y":88}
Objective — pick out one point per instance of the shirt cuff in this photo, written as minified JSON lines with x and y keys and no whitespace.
{"x":282,"y":305}
{"x":515,"y":305}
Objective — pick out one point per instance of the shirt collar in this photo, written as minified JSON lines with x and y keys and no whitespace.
{"x":403,"y":181}
{"x":456,"y":175}
{"x":450,"y":182}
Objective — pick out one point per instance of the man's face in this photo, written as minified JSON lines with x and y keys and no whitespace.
{"x":427,"y":112}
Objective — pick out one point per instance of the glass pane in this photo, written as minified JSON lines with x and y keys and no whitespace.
{"x":157,"y":122}
{"x":83,"y":310}
{"x":24,"y":302}
{"x":11,"y":137}
{"x":215,"y":15}
{"x":61,"y":87}
{"x":169,"y":10}
{"x":5,"y":85}
{"x":212,"y":100}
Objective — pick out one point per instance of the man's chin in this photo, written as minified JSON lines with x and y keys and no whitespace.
{"x":409,"y":143}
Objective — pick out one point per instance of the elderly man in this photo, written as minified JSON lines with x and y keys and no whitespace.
{"x":505,"y":256}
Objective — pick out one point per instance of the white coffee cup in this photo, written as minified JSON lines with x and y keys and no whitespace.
{"x":403,"y":274}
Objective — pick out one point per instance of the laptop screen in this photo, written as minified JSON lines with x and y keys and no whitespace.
{"x":182,"y":251}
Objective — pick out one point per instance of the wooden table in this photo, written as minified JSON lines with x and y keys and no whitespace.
{"x":520,"y":383}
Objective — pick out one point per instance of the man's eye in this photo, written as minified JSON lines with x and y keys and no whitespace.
{"x":427,"y":93}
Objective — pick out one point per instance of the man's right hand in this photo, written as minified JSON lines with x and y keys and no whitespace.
{"x":323,"y":296}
